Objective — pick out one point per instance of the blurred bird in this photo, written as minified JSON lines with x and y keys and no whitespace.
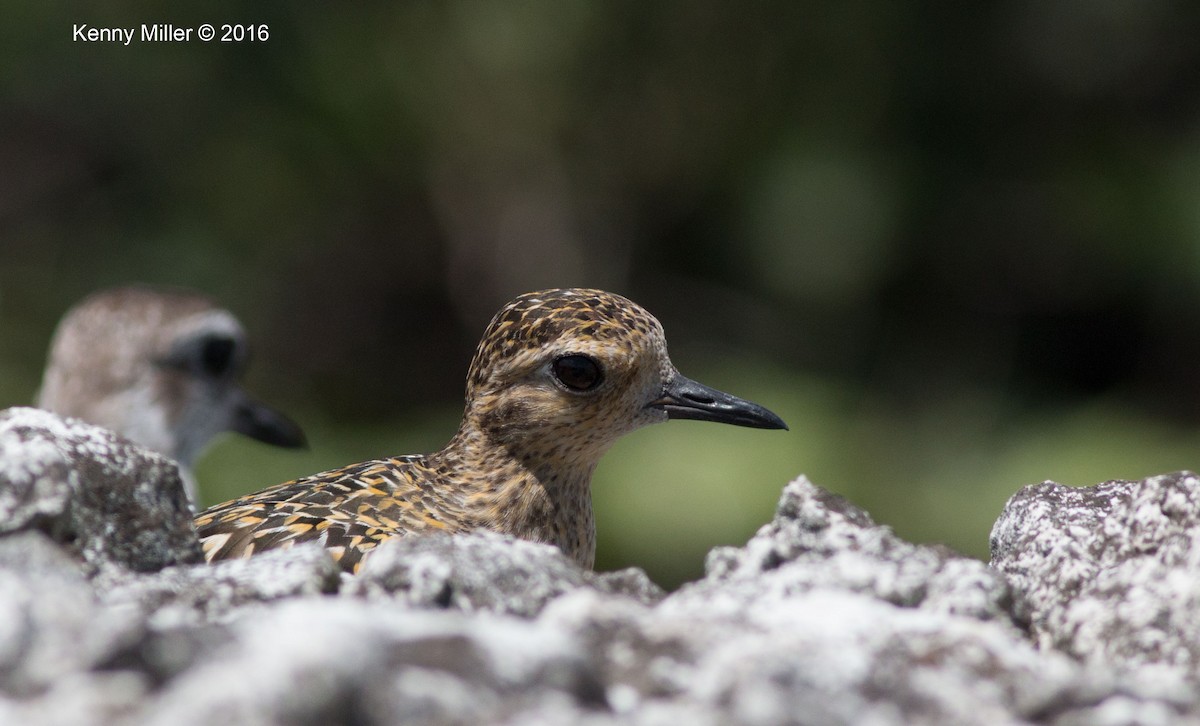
{"x":160,"y":367}
{"x":558,"y":377}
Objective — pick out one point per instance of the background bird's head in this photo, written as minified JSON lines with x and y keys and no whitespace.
{"x":161,"y":367}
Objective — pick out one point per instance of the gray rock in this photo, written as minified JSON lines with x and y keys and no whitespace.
{"x":51,"y":624}
{"x":484,"y":571}
{"x":819,"y":540}
{"x":321,"y":660}
{"x":479,"y":571}
{"x":824,"y":656}
{"x":33,"y":553}
{"x":823,"y":617}
{"x":81,"y":699}
{"x":197,"y":594}
{"x":1110,"y":574}
{"x":101,"y":497}
{"x":632,"y":582}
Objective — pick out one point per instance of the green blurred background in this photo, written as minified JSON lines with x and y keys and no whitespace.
{"x":955,"y":246}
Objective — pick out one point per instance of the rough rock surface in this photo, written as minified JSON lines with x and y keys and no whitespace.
{"x":819,"y":540}
{"x":1110,"y":574}
{"x":823,"y":617}
{"x":207,"y":593}
{"x":486,"y":571}
{"x":109,"y":501}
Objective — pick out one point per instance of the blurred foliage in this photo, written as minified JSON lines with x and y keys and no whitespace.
{"x":957,"y":247}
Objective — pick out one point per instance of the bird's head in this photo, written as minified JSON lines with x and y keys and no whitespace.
{"x":160,"y":366}
{"x":566,"y":372}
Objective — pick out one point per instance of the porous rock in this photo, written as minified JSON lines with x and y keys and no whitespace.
{"x":818,"y":540}
{"x":321,"y":660}
{"x":1110,"y":574}
{"x":823,"y":617}
{"x":890,"y":633}
{"x":484,"y":571}
{"x":823,"y":656}
{"x":203,"y":593}
{"x":51,"y":623}
{"x":100,"y":496}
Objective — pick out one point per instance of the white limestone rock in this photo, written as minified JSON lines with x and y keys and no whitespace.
{"x":484,"y":571}
{"x":1110,"y":574}
{"x":108,"y":501}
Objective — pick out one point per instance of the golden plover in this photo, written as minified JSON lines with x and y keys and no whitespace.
{"x":558,"y":377}
{"x":160,"y":367}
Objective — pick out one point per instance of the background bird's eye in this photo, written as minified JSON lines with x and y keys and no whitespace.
{"x":577,"y":372}
{"x":215,"y":356}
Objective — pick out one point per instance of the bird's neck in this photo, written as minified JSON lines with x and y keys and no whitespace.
{"x":532,"y":494}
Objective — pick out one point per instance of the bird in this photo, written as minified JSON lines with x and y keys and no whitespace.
{"x":557,"y":378}
{"x":160,"y":366}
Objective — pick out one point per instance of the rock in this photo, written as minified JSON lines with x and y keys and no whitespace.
{"x":197,"y":594}
{"x":321,"y":660}
{"x":1110,"y":574}
{"x":825,"y":617}
{"x":822,"y":617}
{"x":51,"y":625}
{"x":632,"y":582}
{"x":824,"y":656}
{"x":819,"y":540}
{"x":483,"y":571}
{"x":99,"y":496}
{"x":33,"y":553}
{"x":478,"y":571}
{"x":81,"y":699}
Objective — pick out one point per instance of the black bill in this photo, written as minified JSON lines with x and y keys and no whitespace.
{"x":262,"y":423}
{"x":686,"y":399}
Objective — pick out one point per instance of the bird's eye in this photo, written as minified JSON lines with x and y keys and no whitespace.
{"x":216,"y":356}
{"x":577,"y":372}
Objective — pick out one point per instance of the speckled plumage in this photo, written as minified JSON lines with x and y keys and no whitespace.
{"x":521,"y":462}
{"x":160,"y":367}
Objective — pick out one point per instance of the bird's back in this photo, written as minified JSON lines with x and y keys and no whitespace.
{"x":349,"y":511}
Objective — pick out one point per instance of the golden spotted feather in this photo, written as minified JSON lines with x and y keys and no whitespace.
{"x":349,"y":511}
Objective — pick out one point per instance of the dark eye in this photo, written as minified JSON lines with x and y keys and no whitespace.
{"x":216,"y":356}
{"x":577,"y":372}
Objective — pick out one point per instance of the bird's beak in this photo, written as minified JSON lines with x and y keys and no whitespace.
{"x":261,"y":422}
{"x":684,"y":398}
